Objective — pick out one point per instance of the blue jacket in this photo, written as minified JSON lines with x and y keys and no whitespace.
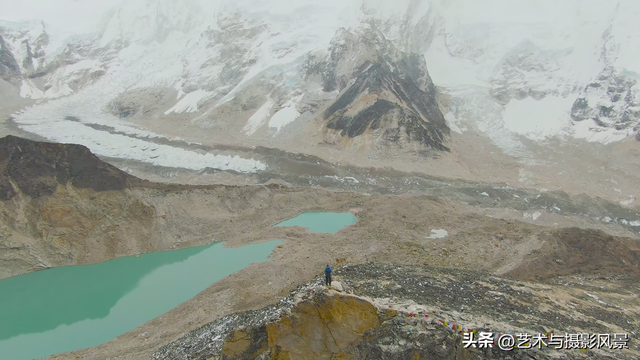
{"x":327,"y":270}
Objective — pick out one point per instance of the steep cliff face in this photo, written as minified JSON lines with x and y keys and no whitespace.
{"x":610,"y":101}
{"x":9,"y":69}
{"x":383,"y":92}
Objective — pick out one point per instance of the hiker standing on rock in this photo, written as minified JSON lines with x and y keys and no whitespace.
{"x":327,"y":275}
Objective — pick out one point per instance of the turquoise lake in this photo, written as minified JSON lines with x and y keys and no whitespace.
{"x":74,"y":307}
{"x":322,"y":222}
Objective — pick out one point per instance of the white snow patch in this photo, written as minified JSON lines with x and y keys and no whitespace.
{"x":591,"y":132}
{"x":538,"y":119}
{"x":59,"y":89}
{"x":535,"y":215}
{"x":343,"y":179}
{"x":189,"y":102}
{"x":484,"y":193}
{"x":351,"y":179}
{"x":29,"y":90}
{"x":450,"y":119}
{"x":449,"y":71}
{"x":258,"y":118}
{"x":628,"y":201}
{"x":284,"y":116}
{"x":86,"y":64}
{"x":437,"y":234}
{"x":420,"y":12}
{"x":595,"y":297}
{"x":630,"y":223}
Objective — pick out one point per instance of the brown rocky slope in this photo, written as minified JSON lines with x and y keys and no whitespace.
{"x":57,"y":217}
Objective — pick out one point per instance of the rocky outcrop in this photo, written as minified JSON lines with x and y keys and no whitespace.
{"x":384,"y":93}
{"x":379,"y":320}
{"x":37,"y":168}
{"x":246,"y":344}
{"x":234,"y":35}
{"x":321,"y":328}
{"x":326,"y":325}
{"x":35,"y":54}
{"x":9,"y":68}
{"x":611,"y":101}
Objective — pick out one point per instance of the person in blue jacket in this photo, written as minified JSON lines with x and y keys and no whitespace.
{"x":327,"y":275}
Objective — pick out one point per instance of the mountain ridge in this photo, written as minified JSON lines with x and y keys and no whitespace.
{"x":37,"y":168}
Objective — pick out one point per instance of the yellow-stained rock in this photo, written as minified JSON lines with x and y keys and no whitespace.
{"x":246,"y":343}
{"x":321,"y":328}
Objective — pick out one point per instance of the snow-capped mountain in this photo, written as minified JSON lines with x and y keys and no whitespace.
{"x":363,"y":71}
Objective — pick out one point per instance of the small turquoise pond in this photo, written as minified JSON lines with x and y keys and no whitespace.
{"x":322,"y":222}
{"x":74,"y":307}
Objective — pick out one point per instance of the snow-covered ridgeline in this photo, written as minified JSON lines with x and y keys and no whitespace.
{"x":513,"y":68}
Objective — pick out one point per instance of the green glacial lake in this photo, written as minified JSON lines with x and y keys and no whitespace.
{"x":322,"y":222}
{"x":74,"y":307}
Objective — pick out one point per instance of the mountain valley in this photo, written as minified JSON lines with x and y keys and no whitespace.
{"x":490,"y":152}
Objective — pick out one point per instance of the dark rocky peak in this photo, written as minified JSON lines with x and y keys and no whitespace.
{"x":36,"y":168}
{"x":610,"y":100}
{"x":383,"y":91}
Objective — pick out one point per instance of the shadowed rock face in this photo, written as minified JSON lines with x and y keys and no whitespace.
{"x":36,"y":169}
{"x":616,"y":101}
{"x":9,"y":69}
{"x":391,"y":95}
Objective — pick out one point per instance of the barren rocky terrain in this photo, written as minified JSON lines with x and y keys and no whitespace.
{"x":53,"y":214}
{"x":387,"y":311}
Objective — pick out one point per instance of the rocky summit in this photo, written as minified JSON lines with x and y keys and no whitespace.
{"x":391,"y":96}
